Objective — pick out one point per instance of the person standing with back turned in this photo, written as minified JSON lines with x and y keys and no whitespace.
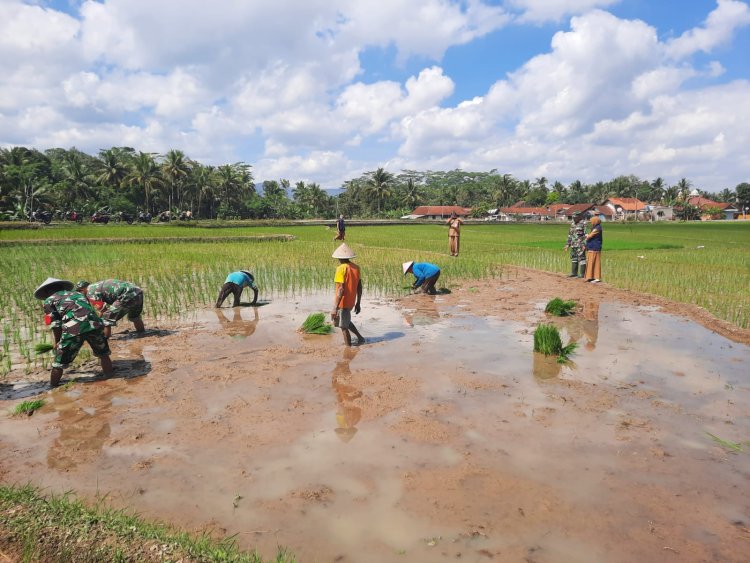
{"x":454,"y":232}
{"x":340,"y":229}
{"x":348,"y":294}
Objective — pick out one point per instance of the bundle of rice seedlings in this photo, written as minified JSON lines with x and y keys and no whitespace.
{"x":548,"y":342}
{"x":316,"y":324}
{"x":560,"y":308}
{"x":28,"y":407}
{"x":43,"y":347}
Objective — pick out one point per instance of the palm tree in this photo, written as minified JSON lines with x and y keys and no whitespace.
{"x":412,"y":195}
{"x":379,"y":185}
{"x":318,"y":198}
{"x":175,"y":169}
{"x":657,"y":189}
{"x":145,"y":175}
{"x":112,"y":168}
{"x":683,"y":188}
{"x":502,"y":190}
{"x":76,"y":176}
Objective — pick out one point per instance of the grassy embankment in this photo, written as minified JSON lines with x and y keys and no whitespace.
{"x":60,"y":528}
{"x":707,"y":264}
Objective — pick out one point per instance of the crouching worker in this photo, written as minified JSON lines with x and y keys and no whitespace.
{"x":348,"y":294}
{"x":234,"y":284}
{"x":73,"y":321}
{"x":115,"y":299}
{"x":425,"y":274}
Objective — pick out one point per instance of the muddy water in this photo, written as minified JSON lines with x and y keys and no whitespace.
{"x":443,"y":438}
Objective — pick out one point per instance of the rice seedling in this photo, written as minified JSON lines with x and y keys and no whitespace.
{"x":548,"y":342}
{"x":733,"y":447}
{"x":315,"y":323}
{"x":43,"y":347}
{"x":560,"y":308}
{"x":28,"y":407}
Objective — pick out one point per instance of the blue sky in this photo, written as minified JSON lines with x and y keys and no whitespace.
{"x":324,"y":90}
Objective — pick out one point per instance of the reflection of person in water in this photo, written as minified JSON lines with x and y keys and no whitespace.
{"x":590,"y":324}
{"x":348,"y":414}
{"x":426,"y":313}
{"x":82,"y":435}
{"x":237,"y":326}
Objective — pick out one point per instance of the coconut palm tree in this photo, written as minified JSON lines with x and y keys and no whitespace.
{"x":145,"y":175}
{"x":379,"y":185}
{"x":112,"y":168}
{"x":412,"y":195}
{"x":175,"y":170}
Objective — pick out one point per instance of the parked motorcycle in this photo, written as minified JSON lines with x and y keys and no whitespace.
{"x":124,"y":216}
{"x":186,"y":215}
{"x":165,"y":217}
{"x":144,"y":217}
{"x":73,"y":216}
{"x":41,"y":216}
{"x":100,"y":217}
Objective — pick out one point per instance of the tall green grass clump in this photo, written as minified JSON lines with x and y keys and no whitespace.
{"x":560,"y":308}
{"x":28,"y":407}
{"x":43,"y":347}
{"x":316,"y":324}
{"x":548,"y":342}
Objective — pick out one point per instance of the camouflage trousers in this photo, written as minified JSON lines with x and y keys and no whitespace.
{"x":578,"y":254}
{"x":70,"y":345}
{"x":132,"y":307}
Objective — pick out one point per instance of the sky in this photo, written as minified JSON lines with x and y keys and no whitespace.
{"x":325,"y":90}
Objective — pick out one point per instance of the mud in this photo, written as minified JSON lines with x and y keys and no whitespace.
{"x":443,"y":438}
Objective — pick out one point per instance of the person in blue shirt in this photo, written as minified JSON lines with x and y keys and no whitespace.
{"x":426,"y":275}
{"x":234,"y":284}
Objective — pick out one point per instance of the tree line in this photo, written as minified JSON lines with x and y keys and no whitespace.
{"x":123,"y":179}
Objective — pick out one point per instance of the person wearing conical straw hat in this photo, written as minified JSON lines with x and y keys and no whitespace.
{"x":234,"y":284}
{"x":425,"y":274}
{"x":348,"y":294}
{"x":74,"y":321}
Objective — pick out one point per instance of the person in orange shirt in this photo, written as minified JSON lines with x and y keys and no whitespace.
{"x":348,"y":294}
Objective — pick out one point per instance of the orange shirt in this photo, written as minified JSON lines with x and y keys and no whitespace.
{"x":347,"y":274}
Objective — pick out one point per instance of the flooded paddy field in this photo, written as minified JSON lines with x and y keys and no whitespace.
{"x":443,"y":438}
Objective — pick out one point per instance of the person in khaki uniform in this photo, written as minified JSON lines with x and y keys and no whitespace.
{"x":454,"y":233}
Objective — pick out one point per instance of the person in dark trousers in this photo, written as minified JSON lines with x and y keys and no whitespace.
{"x":425,"y":274}
{"x":234,"y":284}
{"x":340,"y":229}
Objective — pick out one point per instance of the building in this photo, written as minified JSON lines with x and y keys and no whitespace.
{"x":728,"y":210}
{"x":623,"y":208}
{"x":437,"y":212}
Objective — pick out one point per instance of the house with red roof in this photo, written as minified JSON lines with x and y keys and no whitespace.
{"x":437,"y":212}
{"x":728,"y":210}
{"x":623,"y":208}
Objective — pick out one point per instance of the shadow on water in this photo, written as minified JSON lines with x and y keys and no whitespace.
{"x":22,"y":390}
{"x":133,"y":335}
{"x":124,"y":369}
{"x":387,"y":337}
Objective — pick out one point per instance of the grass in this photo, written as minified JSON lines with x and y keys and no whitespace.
{"x":29,"y":407}
{"x":63,"y":528}
{"x":734,"y":447}
{"x":316,"y":323}
{"x":182,"y":268}
{"x":560,"y":308}
{"x":43,"y":347}
{"x":548,"y":342}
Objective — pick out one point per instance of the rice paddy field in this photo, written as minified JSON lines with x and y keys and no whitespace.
{"x":182,"y":268}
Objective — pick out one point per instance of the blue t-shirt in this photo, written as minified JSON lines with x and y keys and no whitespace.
{"x":422,"y":271}
{"x":241,"y":279}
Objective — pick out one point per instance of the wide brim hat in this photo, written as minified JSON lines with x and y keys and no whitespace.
{"x":406,"y":265}
{"x":52,"y":284}
{"x":248,"y":272}
{"x":344,"y":252}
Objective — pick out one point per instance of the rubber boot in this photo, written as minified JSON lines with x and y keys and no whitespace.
{"x":573,"y":270}
{"x":582,"y":271}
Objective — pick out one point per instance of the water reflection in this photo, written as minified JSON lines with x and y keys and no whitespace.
{"x":426,"y":313}
{"x":584,"y":328}
{"x":546,"y":367}
{"x":234,"y":325}
{"x":348,"y":414}
{"x":82,"y":432}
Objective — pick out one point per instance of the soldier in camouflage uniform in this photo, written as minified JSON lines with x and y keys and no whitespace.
{"x":115,"y":299}
{"x":73,"y":321}
{"x":576,"y":243}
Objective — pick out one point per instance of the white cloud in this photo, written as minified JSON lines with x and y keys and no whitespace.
{"x":540,"y":11}
{"x":719,"y":28}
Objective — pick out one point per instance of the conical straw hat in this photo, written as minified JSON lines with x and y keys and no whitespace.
{"x":49,"y":283}
{"x":406,"y":266}
{"x":344,"y":251}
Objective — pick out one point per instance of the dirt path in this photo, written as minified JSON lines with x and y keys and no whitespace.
{"x":443,"y":438}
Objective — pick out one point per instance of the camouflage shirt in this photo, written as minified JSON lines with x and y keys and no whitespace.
{"x":72,"y":312}
{"x":109,"y":291}
{"x":577,"y":236}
